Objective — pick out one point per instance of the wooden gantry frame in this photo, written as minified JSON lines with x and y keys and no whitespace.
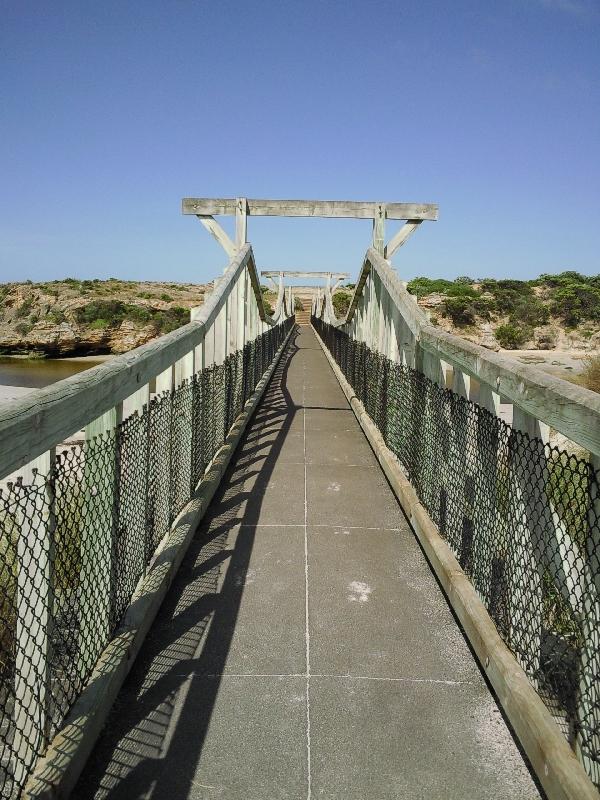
{"x":333,"y":279}
{"x":206,"y":209}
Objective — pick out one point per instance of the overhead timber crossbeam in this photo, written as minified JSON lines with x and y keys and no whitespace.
{"x":330,"y":277}
{"x":287,"y":273}
{"x":207,"y":208}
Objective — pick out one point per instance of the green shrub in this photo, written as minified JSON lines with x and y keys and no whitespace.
{"x":530,"y":311}
{"x":170,"y":319}
{"x":566,"y":278}
{"x":138,"y":314}
{"x":511,"y":336}
{"x":341,"y":303}
{"x":110,"y":310}
{"x":484,"y":307}
{"x":166,"y":297}
{"x":268,"y":307}
{"x":99,"y":324}
{"x":576,"y":303}
{"x":460,"y":311}
{"x":56,"y":315}
{"x":461,"y":290}
{"x":25,"y":308}
{"x":23,"y":328}
{"x":422,"y":286}
{"x":113,"y":313}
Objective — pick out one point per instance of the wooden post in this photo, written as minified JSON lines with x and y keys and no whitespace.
{"x":98,"y":532}
{"x":242,"y":309}
{"x":165,"y":382}
{"x":136,"y":402}
{"x":438,"y":424}
{"x":588,"y":707}
{"x":464,"y":433}
{"x":487,"y":459}
{"x":241,"y":219}
{"x":220,"y":326}
{"x":199,"y":355}
{"x":230,"y":322}
{"x":181,"y":460}
{"x":34,"y":612}
{"x":379,"y":228}
{"x":526,"y":546}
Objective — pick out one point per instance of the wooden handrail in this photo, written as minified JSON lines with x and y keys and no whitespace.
{"x":32,"y":424}
{"x":570,"y":409}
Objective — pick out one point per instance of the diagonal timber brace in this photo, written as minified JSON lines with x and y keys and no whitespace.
{"x":399,"y":238}
{"x":213,"y":227}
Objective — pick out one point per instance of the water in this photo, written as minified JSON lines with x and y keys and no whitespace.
{"x":37,"y":373}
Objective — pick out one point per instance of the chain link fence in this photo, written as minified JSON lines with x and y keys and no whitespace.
{"x":522,"y":518}
{"x":74,"y":543}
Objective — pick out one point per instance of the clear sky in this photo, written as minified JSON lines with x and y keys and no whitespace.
{"x":111,"y":112}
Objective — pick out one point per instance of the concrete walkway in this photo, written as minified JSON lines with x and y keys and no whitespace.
{"x":305,"y":649}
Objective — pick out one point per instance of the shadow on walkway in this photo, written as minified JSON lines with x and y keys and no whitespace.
{"x":179,"y":670}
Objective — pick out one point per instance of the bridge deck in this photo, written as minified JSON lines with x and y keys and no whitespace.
{"x":305,"y":648}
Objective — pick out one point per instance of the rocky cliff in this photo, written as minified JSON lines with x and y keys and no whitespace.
{"x":72,"y":317}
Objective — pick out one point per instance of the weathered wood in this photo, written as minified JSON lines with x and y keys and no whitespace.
{"x":379,"y":228}
{"x":399,"y":238}
{"x":36,"y":523}
{"x":489,"y":399}
{"x":34,"y":423}
{"x":309,"y":208}
{"x":255,"y":283}
{"x":136,"y":402}
{"x":570,"y":409}
{"x":588,"y":709}
{"x":287,"y":273}
{"x":220,"y":326}
{"x":181,"y":452}
{"x":525,"y":571}
{"x":100,"y":485}
{"x":554,"y":763}
{"x":414,"y":317}
{"x":213,"y":227}
{"x":57,"y":772}
{"x":241,"y":222}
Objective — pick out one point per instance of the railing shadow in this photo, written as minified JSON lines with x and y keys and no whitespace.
{"x":173,"y":686}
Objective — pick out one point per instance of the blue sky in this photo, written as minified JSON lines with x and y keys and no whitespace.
{"x":114,"y":111}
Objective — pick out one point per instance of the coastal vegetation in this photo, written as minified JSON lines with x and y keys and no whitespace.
{"x":81,"y":317}
{"x":590,"y":376}
{"x":341,"y":303}
{"x":517,"y":311}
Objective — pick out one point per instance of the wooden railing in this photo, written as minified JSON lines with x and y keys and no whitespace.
{"x":386,"y":318}
{"x":61,"y":526}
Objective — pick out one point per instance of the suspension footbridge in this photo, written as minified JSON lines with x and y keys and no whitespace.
{"x":302,"y":556}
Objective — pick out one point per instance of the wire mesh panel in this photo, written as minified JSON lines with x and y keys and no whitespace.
{"x":522,"y":517}
{"x":75,"y":542}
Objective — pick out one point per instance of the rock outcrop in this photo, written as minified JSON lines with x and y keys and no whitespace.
{"x":70,"y":317}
